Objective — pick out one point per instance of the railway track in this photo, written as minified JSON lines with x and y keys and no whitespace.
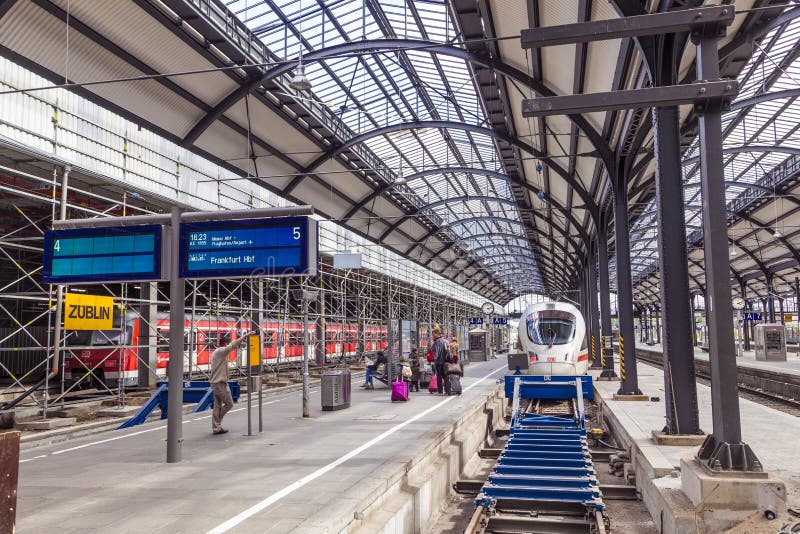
{"x":774,"y":389}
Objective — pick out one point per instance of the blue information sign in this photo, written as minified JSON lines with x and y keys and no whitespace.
{"x":753,"y":316}
{"x":475,"y":320}
{"x":253,"y":247}
{"x":499,"y":320}
{"x":127,"y":253}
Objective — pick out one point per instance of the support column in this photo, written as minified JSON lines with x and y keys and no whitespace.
{"x":148,"y":335}
{"x":658,"y":325}
{"x":780,"y":311}
{"x":319,"y":328}
{"x":177,"y":296}
{"x":680,"y":384}
{"x":724,"y":449}
{"x":595,"y":351}
{"x":745,"y":322}
{"x":605,"y":303}
{"x":770,"y":300}
{"x":627,"y":339}
{"x":694,"y":320}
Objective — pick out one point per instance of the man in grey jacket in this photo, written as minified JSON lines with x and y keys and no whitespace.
{"x":441,"y":356}
{"x":219,"y":382}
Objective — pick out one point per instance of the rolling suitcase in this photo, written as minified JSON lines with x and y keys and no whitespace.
{"x":455,"y":384}
{"x":432,"y":385}
{"x":399,"y":391}
{"x":426,"y":376}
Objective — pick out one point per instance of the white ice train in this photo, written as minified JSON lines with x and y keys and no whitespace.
{"x":553,"y":335}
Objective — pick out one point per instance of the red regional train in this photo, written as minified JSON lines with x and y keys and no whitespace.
{"x":112,"y":354}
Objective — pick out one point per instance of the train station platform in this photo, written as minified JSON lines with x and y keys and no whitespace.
{"x":747,"y":360}
{"x":660,"y":469}
{"x":375,"y":463}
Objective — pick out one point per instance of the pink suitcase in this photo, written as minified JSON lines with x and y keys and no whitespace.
{"x":433,"y":385}
{"x":399,"y":391}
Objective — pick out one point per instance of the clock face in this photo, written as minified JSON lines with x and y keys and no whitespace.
{"x":487,"y":308}
{"x":738,"y":303}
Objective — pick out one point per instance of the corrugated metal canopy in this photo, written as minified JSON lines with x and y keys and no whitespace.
{"x":412,"y":132}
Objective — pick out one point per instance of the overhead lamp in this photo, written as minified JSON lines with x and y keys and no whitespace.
{"x":300,"y":81}
{"x":777,"y":233}
{"x":400,"y":180}
{"x":734,"y":250}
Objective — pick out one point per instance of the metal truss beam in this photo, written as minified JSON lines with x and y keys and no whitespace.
{"x":699,"y":94}
{"x":459,"y":222}
{"x":748,"y":149}
{"x":465,"y":170}
{"x":454,"y":200}
{"x":765,"y":97}
{"x":393,"y":45}
{"x":685,"y":20}
{"x":449,"y":125}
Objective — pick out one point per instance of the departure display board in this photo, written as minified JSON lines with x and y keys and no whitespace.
{"x":118,"y":254}
{"x":281,"y":246}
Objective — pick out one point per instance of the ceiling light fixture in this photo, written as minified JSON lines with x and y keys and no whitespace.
{"x":300,"y":81}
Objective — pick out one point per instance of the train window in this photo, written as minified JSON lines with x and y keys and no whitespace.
{"x":224,"y":338}
{"x":292,"y":339}
{"x":112,"y":337}
{"x":210,"y":342}
{"x":269,"y":339}
{"x":162,"y":341}
{"x":551,"y":327}
{"x":78,"y":338}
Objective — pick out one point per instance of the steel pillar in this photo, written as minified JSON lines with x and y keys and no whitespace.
{"x":723,"y":450}
{"x":605,"y":302}
{"x":680,"y":382}
{"x":594,"y":315}
{"x":319,"y":328}
{"x":627,"y":339}
{"x":177,"y":295}
{"x":780,"y":311}
{"x":694,"y":321}
{"x":148,"y":335}
{"x":770,"y":299}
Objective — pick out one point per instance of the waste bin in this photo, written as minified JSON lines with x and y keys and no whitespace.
{"x":335,"y":390}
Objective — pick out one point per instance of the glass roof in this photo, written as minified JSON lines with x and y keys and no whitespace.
{"x":375,"y":90}
{"x":766,"y":128}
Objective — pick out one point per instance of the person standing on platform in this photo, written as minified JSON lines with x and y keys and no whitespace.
{"x":440,"y":356}
{"x":455,"y":349}
{"x":219,"y":382}
{"x":415,"y":371}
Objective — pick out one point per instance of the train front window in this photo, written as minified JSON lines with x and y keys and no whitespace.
{"x":551,"y":328}
{"x":112,"y":337}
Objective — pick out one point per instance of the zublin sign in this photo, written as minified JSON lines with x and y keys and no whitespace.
{"x":88,"y":312}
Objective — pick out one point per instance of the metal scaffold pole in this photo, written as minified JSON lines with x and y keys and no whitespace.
{"x":57,"y":332}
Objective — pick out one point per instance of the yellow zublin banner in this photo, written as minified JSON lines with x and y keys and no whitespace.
{"x":88,"y":312}
{"x":254,"y":350}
